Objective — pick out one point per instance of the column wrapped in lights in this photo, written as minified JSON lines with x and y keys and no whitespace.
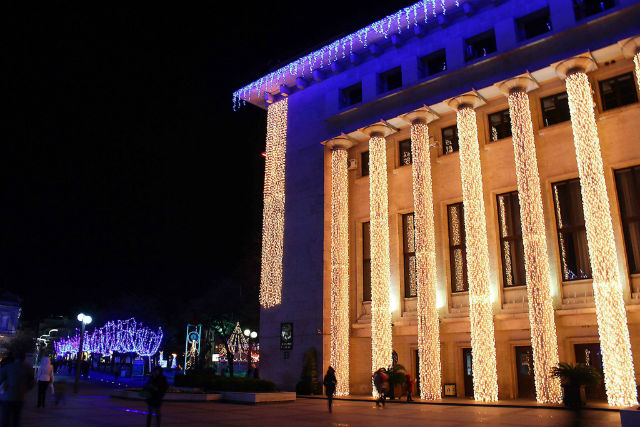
{"x":485,"y":377}
{"x":381,"y":350}
{"x":631,"y":49}
{"x":610,"y":310}
{"x":339,"y":358}
{"x":273,"y":214}
{"x":544,"y":341}
{"x":425,"y":247}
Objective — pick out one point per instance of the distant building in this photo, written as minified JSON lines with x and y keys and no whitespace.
{"x":10,"y":310}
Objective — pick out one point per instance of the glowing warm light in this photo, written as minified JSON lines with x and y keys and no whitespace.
{"x":612,"y":318}
{"x":273,"y":215}
{"x":636,"y":60}
{"x":339,"y":358}
{"x":485,"y":377}
{"x":428,"y":323}
{"x":544,"y":341}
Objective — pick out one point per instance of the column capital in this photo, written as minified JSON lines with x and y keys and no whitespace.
{"x":630,"y":47}
{"x":421,"y":115}
{"x":377,"y":129}
{"x":523,"y":83}
{"x":581,"y":63}
{"x":342,"y":142}
{"x":469,"y":99}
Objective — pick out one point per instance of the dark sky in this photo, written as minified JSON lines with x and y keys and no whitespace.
{"x":129,"y":172}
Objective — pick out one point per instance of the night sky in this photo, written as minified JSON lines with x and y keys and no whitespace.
{"x":129,"y":174}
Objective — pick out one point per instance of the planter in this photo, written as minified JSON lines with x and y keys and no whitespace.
{"x":253,"y":398}
{"x":573,"y":395}
{"x":169,"y":397}
{"x":630,"y":417}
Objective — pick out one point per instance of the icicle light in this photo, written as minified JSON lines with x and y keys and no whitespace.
{"x":273,"y":214}
{"x":485,"y":378}
{"x":544,"y":341}
{"x":612,"y":318}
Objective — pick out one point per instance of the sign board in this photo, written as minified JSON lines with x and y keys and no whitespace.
{"x":286,"y":336}
{"x":138,"y":368}
{"x":450,"y":390}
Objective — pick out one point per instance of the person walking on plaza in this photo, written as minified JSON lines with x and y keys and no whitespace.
{"x":45,"y":379}
{"x":409,"y":385}
{"x":16,"y":379}
{"x":154,"y":391}
{"x":330,"y":381}
{"x":381,"y":383}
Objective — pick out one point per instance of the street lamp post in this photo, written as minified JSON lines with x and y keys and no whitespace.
{"x":84,"y":320}
{"x":251,"y":335}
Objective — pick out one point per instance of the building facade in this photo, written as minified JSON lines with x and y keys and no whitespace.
{"x":456,"y":188}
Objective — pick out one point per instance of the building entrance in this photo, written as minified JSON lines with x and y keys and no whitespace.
{"x":590,"y":354}
{"x":467,"y":369}
{"x":524,"y":369}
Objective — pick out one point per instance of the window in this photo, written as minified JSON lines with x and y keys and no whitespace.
{"x":457,"y":248}
{"x":404,"y":149}
{"x":555,"y":109}
{"x":628,"y":186}
{"x":499,"y":125}
{"x":351,"y":95}
{"x":618,"y":91}
{"x":585,"y":8}
{"x":409,"y":253}
{"x":366,"y":261}
{"x":433,"y":63}
{"x":534,"y":24}
{"x":480,"y":45}
{"x":450,"y":139}
{"x":572,"y":234}
{"x":390,"y":80}
{"x":364,"y":163}
{"x":511,"y":246}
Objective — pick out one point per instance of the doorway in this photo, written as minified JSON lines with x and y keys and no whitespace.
{"x":417,"y":375}
{"x":467,"y":370}
{"x":590,"y":354}
{"x":524,"y":368}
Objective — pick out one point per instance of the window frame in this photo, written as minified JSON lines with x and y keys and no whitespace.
{"x":555,"y":97}
{"x":462,"y":246}
{"x":366,"y":261}
{"x":383,"y":80}
{"x":402,"y":148}
{"x":625,"y":220}
{"x":521,"y":22}
{"x":514,"y":239}
{"x":345,"y":95}
{"x":424,"y":62}
{"x":407,"y":255}
{"x":364,"y":164}
{"x":457,"y":139}
{"x":580,"y":12}
{"x":617,"y":91}
{"x":470,"y":41}
{"x":506,"y":123}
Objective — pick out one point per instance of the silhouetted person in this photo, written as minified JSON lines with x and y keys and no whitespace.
{"x":381,"y":383}
{"x":330,"y":381}
{"x":16,"y":379}
{"x":155,"y":389}
{"x":409,"y":384}
{"x":45,"y":379}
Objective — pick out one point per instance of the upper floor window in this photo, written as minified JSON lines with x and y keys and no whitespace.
{"x":480,"y":45}
{"x":366,"y":261}
{"x":351,"y":95}
{"x":409,"y":256}
{"x":450,"y":139}
{"x":433,"y":63}
{"x":511,"y":246}
{"x":534,"y":24}
{"x":457,"y":248}
{"x":618,"y":91}
{"x":572,"y":234}
{"x":555,"y":109}
{"x":390,"y":80}
{"x":364,"y":163}
{"x":628,"y":186}
{"x":585,"y":8}
{"x":404,"y":150}
{"x":499,"y":125}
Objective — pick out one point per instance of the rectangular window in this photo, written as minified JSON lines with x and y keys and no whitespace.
{"x":351,"y":95}
{"x":534,"y":24}
{"x":480,"y":45}
{"x":585,"y":8}
{"x":364,"y":163}
{"x":409,"y":253}
{"x":366,"y":261}
{"x":628,"y":186}
{"x":555,"y":109}
{"x":457,"y":248}
{"x":450,"y":139}
{"x":404,"y":149}
{"x":572,"y":234}
{"x":390,"y":80}
{"x":511,"y":246}
{"x":499,"y":125}
{"x":433,"y":63}
{"x":618,"y":91}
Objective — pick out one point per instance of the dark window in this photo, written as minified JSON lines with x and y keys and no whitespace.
{"x":572,"y":234}
{"x":457,"y":248}
{"x":618,"y":91}
{"x":555,"y":109}
{"x":404,"y":147}
{"x":390,"y":80}
{"x":351,"y":95}
{"x":628,"y":186}
{"x":409,"y":253}
{"x":433,"y":63}
{"x":499,"y":125}
{"x":366,"y":261}
{"x":534,"y":24}
{"x":450,"y":139}
{"x":511,"y":246}
{"x":584,"y":8}
{"x":364,"y":160}
{"x":480,"y":45}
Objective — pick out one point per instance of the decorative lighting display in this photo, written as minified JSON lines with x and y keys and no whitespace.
{"x":636,"y":60}
{"x":425,"y":247}
{"x":339,"y":358}
{"x":273,"y":214}
{"x":237,"y":343}
{"x":611,"y":315}
{"x":544,"y":341}
{"x":485,"y":377}
{"x":120,"y":336}
{"x":381,"y":350}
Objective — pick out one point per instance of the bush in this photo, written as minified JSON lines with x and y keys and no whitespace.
{"x":208,"y":380}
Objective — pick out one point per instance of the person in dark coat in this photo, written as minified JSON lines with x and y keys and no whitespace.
{"x":409,"y":385}
{"x":330,"y":381}
{"x":155,"y":390}
{"x":16,"y":379}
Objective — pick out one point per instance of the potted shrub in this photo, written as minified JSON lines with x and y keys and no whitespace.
{"x":397,"y":379}
{"x":574,"y":378}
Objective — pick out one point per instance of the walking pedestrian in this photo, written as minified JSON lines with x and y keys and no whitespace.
{"x":409,"y":385}
{"x":16,"y":379}
{"x":381,"y":383}
{"x":155,"y":390}
{"x":45,"y":379}
{"x":330,"y":381}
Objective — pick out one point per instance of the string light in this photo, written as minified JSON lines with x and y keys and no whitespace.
{"x":544,"y":341}
{"x":274,"y":197}
{"x":636,"y":60}
{"x":485,"y":377}
{"x":611,"y":315}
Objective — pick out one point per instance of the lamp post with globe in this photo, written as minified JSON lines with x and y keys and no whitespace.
{"x":84,"y":320}
{"x":251,"y":336}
